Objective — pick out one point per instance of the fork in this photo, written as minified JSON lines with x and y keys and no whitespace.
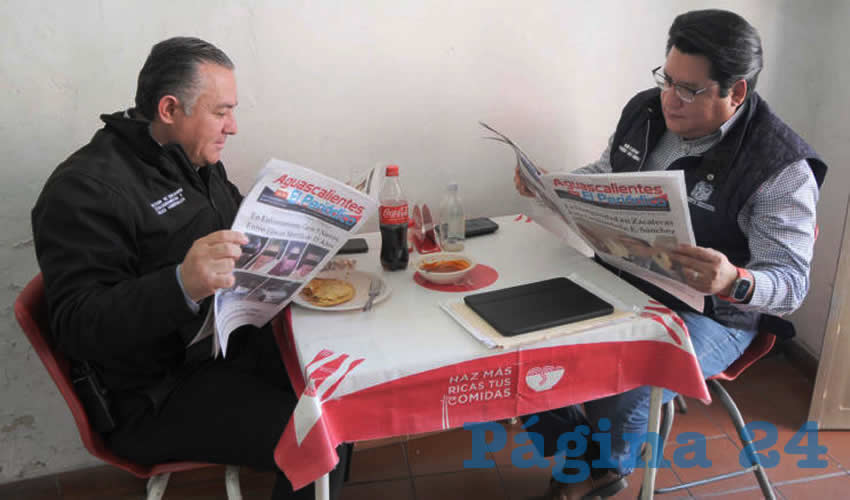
{"x":374,"y":290}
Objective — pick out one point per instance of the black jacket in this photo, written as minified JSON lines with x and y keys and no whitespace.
{"x":110,"y":227}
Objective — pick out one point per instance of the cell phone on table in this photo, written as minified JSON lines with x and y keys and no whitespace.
{"x":354,"y":245}
{"x":479,"y":226}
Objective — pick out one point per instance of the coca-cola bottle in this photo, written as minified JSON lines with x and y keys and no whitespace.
{"x":393,"y":222}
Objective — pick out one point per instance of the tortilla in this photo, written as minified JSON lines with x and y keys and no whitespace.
{"x":325,"y":292}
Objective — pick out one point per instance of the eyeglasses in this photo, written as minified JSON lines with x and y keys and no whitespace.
{"x":664,"y":82}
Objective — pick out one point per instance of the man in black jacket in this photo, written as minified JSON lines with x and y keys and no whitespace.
{"x":131,"y":234}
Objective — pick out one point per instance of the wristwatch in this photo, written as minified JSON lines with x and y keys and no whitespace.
{"x":740,"y":287}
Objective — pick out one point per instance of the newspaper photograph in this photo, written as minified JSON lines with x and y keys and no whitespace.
{"x":632,"y":221}
{"x":295,"y":220}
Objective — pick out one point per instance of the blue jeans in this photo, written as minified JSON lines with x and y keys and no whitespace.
{"x":716,"y":347}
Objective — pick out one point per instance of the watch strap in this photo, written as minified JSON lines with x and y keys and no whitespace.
{"x":743,"y":274}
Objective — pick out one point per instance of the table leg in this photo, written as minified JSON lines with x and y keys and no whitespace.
{"x":653,"y":442}
{"x":323,"y":488}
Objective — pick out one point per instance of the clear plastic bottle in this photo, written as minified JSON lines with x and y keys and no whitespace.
{"x":393,"y":214}
{"x":452,"y":220}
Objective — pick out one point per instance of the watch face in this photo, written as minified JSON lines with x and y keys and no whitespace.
{"x":742,"y":287}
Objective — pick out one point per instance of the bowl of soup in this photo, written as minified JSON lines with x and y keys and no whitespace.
{"x":444,"y":268}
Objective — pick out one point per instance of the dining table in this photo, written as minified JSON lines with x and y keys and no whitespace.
{"x":407,"y":366}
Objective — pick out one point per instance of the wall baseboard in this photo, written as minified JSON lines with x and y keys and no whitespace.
{"x":800,"y":357}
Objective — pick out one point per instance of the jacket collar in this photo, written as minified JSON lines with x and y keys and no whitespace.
{"x":135,"y":130}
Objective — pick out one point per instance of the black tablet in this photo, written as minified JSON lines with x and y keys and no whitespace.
{"x":535,"y":306}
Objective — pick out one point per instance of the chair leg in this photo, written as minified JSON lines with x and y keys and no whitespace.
{"x":681,"y":404}
{"x":746,"y":442}
{"x":156,"y":486}
{"x":231,"y":482}
{"x":738,"y":420}
{"x":667,"y":415}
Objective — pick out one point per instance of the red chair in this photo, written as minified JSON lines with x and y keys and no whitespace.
{"x":758,"y":348}
{"x":31,"y":313}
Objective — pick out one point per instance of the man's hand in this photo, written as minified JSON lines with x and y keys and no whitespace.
{"x":706,"y":269}
{"x":209,"y":264}
{"x":520,"y":184}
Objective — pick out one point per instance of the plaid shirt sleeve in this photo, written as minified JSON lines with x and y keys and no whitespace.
{"x":780,"y":220}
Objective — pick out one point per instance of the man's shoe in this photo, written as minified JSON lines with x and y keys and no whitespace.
{"x":607,"y":485}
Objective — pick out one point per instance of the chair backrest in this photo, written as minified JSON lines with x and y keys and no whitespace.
{"x":31,"y":313}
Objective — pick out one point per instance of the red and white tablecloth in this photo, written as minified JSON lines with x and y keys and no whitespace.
{"x":406,"y":367}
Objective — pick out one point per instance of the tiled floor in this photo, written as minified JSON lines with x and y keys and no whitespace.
{"x":431,"y":467}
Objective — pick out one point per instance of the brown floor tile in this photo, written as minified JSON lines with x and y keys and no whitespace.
{"x":664,"y":478}
{"x":837,"y":446}
{"x":697,"y":419}
{"x":40,"y":488}
{"x":255,"y":485}
{"x":437,"y":453}
{"x":503,"y":456}
{"x":521,"y":484}
{"x":399,"y":489}
{"x":100,"y":482}
{"x":738,"y":489}
{"x":723,"y":455}
{"x":208,"y":483}
{"x":377,"y":464}
{"x":378,"y":443}
{"x":826,"y":488}
{"x":789,"y":468}
{"x":741,"y":494}
{"x":481,"y":484}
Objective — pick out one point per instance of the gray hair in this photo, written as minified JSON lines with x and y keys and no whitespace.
{"x":172,"y":68}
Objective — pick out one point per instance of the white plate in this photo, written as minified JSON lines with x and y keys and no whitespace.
{"x":361,"y":281}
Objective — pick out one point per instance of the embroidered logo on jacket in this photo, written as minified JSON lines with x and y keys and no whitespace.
{"x":630,"y":151}
{"x":168,"y":202}
{"x":700,"y":193}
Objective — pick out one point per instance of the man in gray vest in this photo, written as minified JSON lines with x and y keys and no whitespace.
{"x":752,"y":186}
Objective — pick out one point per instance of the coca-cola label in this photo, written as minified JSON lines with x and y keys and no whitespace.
{"x":396,"y":214}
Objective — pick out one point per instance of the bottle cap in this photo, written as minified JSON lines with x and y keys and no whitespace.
{"x":392,"y":171}
{"x":452,"y":186}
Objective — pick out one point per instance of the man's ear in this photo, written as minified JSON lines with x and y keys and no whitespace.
{"x":167,"y":107}
{"x":738,"y":93}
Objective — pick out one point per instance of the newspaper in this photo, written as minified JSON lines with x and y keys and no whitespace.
{"x":368,"y":181}
{"x":633,"y":221}
{"x":295,"y":220}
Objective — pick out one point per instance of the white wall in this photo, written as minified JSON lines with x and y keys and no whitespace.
{"x":337,"y":87}
{"x":811,"y":88}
